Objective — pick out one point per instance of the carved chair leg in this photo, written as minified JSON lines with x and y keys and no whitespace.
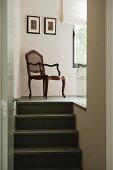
{"x":63,"y":86}
{"x":29,"y":85}
{"x":46,"y":86}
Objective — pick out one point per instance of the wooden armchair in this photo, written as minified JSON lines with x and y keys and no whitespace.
{"x":36,"y":71}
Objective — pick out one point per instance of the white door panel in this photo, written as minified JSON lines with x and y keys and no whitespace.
{"x":4,"y":83}
{"x":0,"y":85}
{"x":7,"y":82}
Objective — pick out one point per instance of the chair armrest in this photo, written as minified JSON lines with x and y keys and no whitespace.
{"x":52,"y":65}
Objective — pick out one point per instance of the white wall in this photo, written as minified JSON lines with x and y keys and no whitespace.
{"x":55,"y":48}
{"x":0,"y":47}
{"x":17,"y":58}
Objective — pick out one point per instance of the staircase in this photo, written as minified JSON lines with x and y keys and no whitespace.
{"x":45,"y":137}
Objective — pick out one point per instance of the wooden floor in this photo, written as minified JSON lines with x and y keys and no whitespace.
{"x":81,"y":101}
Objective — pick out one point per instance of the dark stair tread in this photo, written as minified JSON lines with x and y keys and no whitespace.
{"x":47,"y":150}
{"x":45,"y":103}
{"x":44,"y":116}
{"x":50,"y":131}
{"x":54,"y":169}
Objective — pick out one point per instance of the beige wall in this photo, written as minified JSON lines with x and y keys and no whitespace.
{"x":55,"y":49}
{"x":92,"y":123}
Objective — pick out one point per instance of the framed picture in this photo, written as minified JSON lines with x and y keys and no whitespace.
{"x":33,"y":24}
{"x":50,"y":26}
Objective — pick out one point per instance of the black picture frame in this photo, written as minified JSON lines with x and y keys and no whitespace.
{"x":50,"y":26}
{"x":33,"y":24}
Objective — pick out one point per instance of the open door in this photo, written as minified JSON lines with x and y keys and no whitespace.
{"x":0,"y":86}
{"x":7,"y":87}
{"x":7,"y":83}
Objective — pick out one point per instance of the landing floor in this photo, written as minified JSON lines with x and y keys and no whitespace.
{"x":80,"y":101}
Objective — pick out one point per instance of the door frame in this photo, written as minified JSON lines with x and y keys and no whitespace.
{"x":7,"y":86}
{"x":109,"y":84}
{"x":0,"y":94}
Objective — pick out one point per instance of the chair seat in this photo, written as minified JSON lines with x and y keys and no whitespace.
{"x":40,"y":77}
{"x":37,"y":77}
{"x":55,"y":77}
